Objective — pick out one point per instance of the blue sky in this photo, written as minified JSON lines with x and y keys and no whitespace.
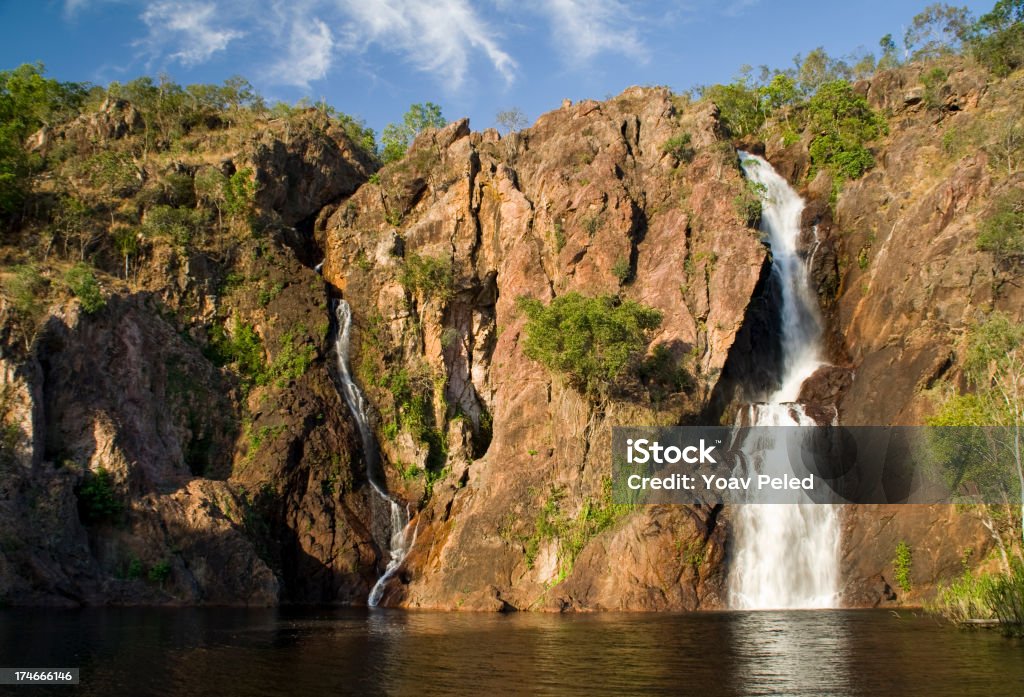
{"x":372,"y":58}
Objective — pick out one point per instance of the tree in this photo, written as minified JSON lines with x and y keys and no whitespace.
{"x":994,"y":365}
{"x":510,"y":120}
{"x":817,"y":69}
{"x":28,"y":101}
{"x":396,"y":138}
{"x":890,"y":55}
{"x":739,"y":103}
{"x":996,"y":40}
{"x":936,"y":31}
{"x":843,"y":122}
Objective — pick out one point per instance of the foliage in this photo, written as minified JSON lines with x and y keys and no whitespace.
{"x":511,"y":120}
{"x":242,"y":348}
{"x":990,"y":458}
{"x":890,"y":56}
{"x":663,"y":374}
{"x":179,"y":225}
{"x":749,"y":203}
{"x":1001,"y":232}
{"x":572,"y":533}
{"x":739,"y":105}
{"x":26,"y":288}
{"x":679,"y":147}
{"x":159,"y":572}
{"x":82,"y":282}
{"x":591,"y":340}
{"x":430,"y":276}
{"x":997,"y":596}
{"x":98,"y":501}
{"x":902,"y":564}
{"x":28,"y":101}
{"x":936,"y":31}
{"x":240,"y":195}
{"x":996,"y":40}
{"x":113,"y":172}
{"x":818,"y":69}
{"x":396,"y":138}
{"x":842,"y":122}
{"x":933,"y":80}
{"x":621,"y":270}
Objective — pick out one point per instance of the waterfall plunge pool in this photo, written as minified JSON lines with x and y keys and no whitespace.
{"x":292,"y":651}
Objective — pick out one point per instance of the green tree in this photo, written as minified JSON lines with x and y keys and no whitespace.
{"x":28,"y":101}
{"x":936,"y":31}
{"x":591,"y":340}
{"x":396,"y":138}
{"x":890,"y":54}
{"x":739,"y":104}
{"x":818,"y":69}
{"x":996,"y":40}
{"x":842,"y":122}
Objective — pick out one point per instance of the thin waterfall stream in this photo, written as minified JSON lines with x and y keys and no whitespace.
{"x":395,"y":522}
{"x":786,"y":555}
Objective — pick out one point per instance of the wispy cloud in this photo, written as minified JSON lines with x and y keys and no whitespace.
{"x":451,"y":40}
{"x":190,"y":32}
{"x":586,"y":28}
{"x":308,"y":55}
{"x":438,"y":37}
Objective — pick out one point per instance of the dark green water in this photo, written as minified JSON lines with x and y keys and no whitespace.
{"x":339,"y":652}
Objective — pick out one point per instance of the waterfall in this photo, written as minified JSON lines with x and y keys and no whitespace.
{"x":396,"y":518}
{"x":786,"y":555}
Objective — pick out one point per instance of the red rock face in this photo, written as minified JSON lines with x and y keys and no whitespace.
{"x":587,"y":201}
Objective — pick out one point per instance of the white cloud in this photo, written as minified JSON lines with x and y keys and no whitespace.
{"x":586,"y":28}
{"x":189,"y":30}
{"x":310,"y":51}
{"x":437,"y":37}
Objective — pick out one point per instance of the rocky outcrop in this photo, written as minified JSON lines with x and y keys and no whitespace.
{"x":115,"y":119}
{"x":142,"y":463}
{"x":586,"y":200}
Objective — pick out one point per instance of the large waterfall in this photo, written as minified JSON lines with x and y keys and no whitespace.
{"x":395,"y":520}
{"x":786,"y":555}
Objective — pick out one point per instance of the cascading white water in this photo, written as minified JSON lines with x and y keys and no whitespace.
{"x":787,"y":555}
{"x":399,"y":541}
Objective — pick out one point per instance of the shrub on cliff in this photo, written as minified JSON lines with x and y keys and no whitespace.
{"x":97,"y":498}
{"x":592,"y":341}
{"x":1002,"y":231}
{"x":842,"y":122}
{"x":82,"y":282}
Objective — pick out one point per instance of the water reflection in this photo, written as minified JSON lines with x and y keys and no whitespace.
{"x":330,"y":651}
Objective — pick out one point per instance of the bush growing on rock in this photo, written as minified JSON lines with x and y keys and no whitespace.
{"x":97,"y":498}
{"x":82,"y":282}
{"x":843,"y":122}
{"x":1002,"y":231}
{"x":590,"y":340}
